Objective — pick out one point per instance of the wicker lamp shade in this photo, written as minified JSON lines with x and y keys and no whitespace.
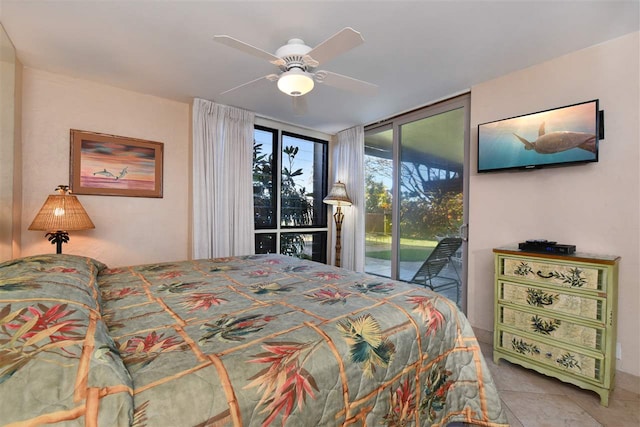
{"x":62,"y":212}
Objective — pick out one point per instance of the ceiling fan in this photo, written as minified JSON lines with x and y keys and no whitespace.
{"x":298,"y":65}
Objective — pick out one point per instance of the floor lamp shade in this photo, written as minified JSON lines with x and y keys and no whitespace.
{"x":60,"y":214}
{"x":338,"y":196}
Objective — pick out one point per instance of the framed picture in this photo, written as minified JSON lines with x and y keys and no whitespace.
{"x":110,"y":165}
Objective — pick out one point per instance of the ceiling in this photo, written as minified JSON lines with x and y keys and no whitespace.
{"x":417,"y":52}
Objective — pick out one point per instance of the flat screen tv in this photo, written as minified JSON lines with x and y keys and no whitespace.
{"x":557,"y":137}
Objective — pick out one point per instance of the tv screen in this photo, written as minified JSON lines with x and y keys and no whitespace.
{"x":557,"y":137}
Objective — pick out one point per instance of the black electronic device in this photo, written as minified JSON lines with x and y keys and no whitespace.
{"x":546,"y":246}
{"x":540,"y":242}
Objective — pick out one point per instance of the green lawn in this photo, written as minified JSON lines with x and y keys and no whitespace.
{"x":407,"y":253}
{"x":410,"y":250}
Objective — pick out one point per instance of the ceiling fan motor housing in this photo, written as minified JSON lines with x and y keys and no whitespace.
{"x":293,"y":53}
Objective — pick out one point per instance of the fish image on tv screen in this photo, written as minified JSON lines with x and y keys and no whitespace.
{"x":561,"y":136}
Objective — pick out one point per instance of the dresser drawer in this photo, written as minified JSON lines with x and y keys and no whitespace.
{"x":585,"y":306}
{"x":563,"y":274}
{"x":562,"y":330}
{"x":550,"y":355}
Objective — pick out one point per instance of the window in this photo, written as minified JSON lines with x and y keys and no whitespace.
{"x":289,"y":183}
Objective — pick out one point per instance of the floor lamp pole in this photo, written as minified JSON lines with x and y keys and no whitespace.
{"x":339,"y":217}
{"x":338,"y":196}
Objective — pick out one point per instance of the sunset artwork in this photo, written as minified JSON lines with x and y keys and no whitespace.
{"x":114,"y":165}
{"x":559,"y":136}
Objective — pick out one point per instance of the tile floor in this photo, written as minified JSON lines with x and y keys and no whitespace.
{"x":534,"y":400}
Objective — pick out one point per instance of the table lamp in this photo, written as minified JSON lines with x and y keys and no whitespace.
{"x":60,"y":214}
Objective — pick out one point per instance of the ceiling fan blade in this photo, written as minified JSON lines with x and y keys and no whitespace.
{"x":247,"y":48}
{"x":299,"y":105}
{"x":345,"y":83}
{"x":269,"y":77}
{"x":344,"y":40}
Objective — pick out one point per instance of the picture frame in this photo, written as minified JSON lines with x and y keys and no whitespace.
{"x":111,"y":165}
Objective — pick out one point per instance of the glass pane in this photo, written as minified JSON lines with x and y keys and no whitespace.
{"x":264,"y":204}
{"x":312,"y":246}
{"x":431,"y":202}
{"x":303,"y":182}
{"x":378,"y":166}
{"x":265,"y":243}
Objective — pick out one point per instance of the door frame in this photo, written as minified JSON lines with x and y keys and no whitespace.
{"x":460,"y":101}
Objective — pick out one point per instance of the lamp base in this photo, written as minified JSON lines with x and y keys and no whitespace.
{"x":338,"y":217}
{"x":58,"y":238}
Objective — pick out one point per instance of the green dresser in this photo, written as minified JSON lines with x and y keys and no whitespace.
{"x":556,"y":314}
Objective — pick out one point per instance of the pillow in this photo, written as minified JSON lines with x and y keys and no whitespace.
{"x":57,"y":360}
{"x":67,"y":277}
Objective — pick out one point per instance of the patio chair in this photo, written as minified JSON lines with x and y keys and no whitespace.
{"x":429,"y":273}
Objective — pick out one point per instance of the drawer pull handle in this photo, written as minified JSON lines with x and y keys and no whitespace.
{"x":573,"y":278}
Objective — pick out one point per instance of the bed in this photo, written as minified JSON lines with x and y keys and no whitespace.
{"x":262,"y":340}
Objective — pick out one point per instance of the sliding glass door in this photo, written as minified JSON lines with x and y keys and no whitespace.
{"x":378,"y":180}
{"x":415,"y":191}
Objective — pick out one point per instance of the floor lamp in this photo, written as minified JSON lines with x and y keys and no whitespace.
{"x":338,"y":196}
{"x":60,"y":214}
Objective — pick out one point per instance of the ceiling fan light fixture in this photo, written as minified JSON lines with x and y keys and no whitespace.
{"x":295,"y":82}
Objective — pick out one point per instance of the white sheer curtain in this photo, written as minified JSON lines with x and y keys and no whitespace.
{"x":222,"y":180}
{"x":348,"y":167}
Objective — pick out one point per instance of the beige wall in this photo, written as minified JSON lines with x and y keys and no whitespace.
{"x":129,"y":230}
{"x":593,"y":206}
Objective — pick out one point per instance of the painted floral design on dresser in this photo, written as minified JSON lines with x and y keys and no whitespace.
{"x":542,"y":326}
{"x":568,"y":361}
{"x":523,"y":347}
{"x":574,"y":278}
{"x":523,"y":269}
{"x":539,"y":298}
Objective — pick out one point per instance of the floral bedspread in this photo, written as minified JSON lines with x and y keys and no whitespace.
{"x":274,"y":340}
